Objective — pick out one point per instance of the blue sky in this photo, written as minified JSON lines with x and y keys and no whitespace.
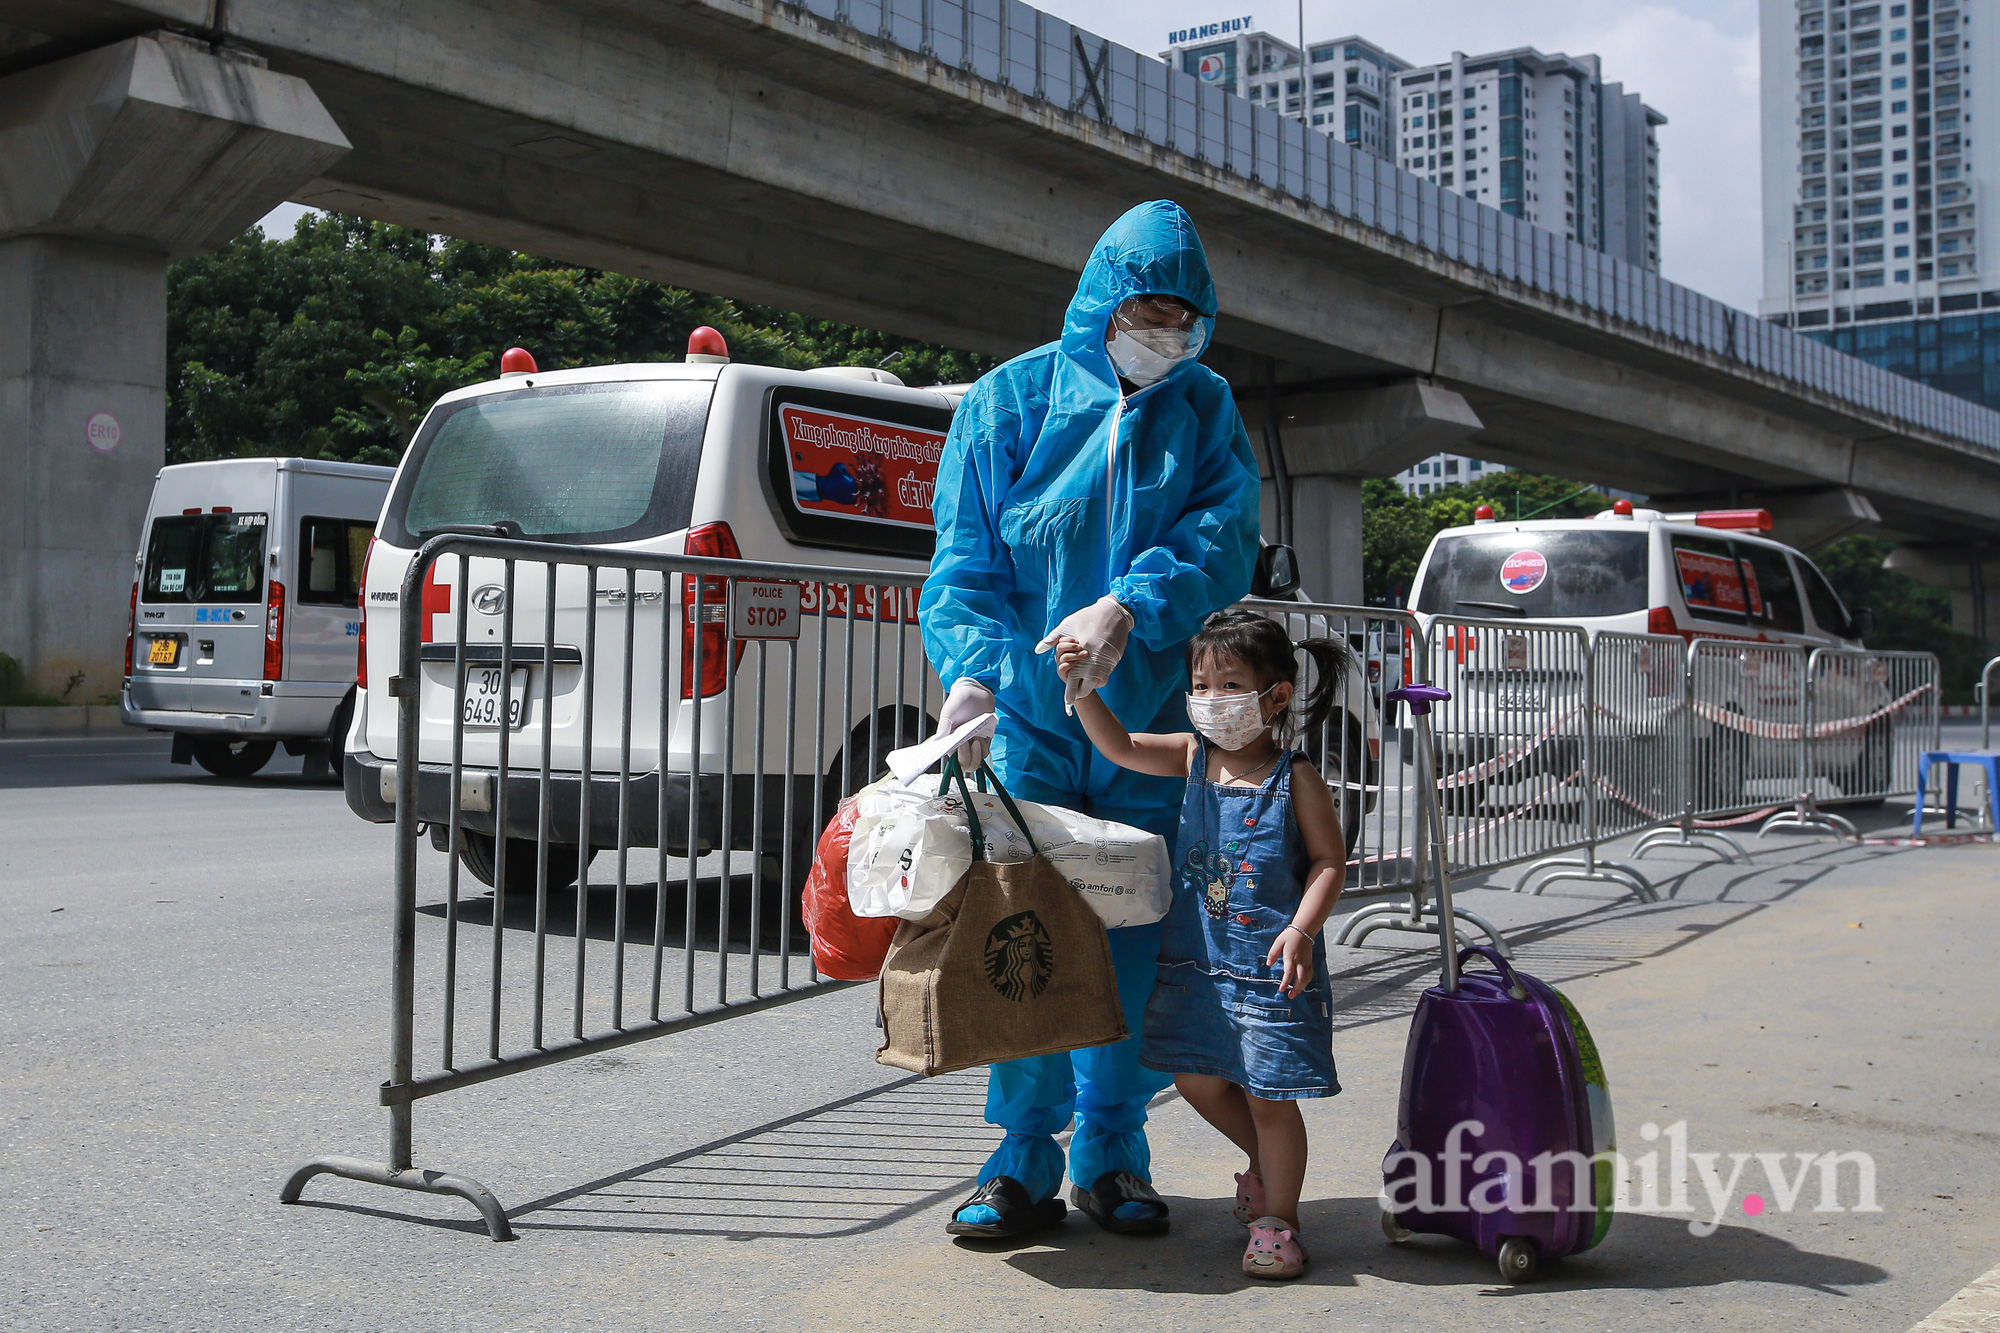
{"x":1694,"y":60}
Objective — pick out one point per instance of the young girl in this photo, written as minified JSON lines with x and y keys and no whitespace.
{"x":1239,"y":1013}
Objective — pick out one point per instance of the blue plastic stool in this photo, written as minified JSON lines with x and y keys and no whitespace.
{"x":1986,"y":759}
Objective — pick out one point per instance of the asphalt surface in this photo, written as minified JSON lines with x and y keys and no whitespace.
{"x":193,"y":975}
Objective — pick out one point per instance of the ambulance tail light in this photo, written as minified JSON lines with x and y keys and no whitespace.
{"x":1409,"y":652}
{"x":132,"y":627}
{"x":361,"y":605}
{"x":1660,"y":620}
{"x":711,"y":539}
{"x":274,"y":632}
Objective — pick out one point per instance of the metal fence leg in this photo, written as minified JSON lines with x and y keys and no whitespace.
{"x":405,"y":1178}
{"x":1807,"y":817}
{"x":1414,"y":919}
{"x":1707,"y":840}
{"x":1587,"y":869}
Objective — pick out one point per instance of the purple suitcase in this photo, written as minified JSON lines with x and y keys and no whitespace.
{"x":1508,"y":1053}
{"x":1504,"y":1105}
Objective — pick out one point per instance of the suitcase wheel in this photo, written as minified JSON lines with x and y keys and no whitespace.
{"x":1394,"y":1230}
{"x":1518,"y":1259}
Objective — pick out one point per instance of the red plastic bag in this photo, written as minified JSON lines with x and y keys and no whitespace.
{"x":845,"y":947}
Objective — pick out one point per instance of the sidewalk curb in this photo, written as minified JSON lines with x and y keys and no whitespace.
{"x":70,"y":720}
{"x":1974,"y":1310}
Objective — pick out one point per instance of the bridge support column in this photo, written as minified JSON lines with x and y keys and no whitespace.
{"x":1330,"y":442}
{"x":111,"y":163}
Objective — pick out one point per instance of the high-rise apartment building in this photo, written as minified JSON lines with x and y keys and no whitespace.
{"x":1542,"y":137}
{"x":1441,"y":470}
{"x":1341,"y":87}
{"x":1538,"y":136}
{"x":1872,"y":230}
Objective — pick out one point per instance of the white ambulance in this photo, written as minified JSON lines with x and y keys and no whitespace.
{"x":244,"y":612}
{"x":831,"y":468}
{"x":1710,"y":575}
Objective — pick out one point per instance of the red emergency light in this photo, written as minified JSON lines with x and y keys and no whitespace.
{"x":1483,"y":514}
{"x":1745,"y":520}
{"x":1623,"y":507}
{"x":707,"y":342}
{"x":517,"y":361}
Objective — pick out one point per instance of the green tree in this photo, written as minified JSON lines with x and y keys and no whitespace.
{"x":1909,"y":616}
{"x":334,"y":342}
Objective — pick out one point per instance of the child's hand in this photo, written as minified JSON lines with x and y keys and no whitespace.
{"x":1069,"y":652}
{"x":1293,"y":948}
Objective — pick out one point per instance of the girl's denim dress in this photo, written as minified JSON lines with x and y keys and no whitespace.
{"x":1216,"y":1007}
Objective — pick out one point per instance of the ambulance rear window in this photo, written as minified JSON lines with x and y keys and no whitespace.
{"x":1536,"y":575}
{"x":584,"y":463}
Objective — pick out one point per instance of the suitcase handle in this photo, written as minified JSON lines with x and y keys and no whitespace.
{"x":1499,"y":960}
{"x":953,"y":772}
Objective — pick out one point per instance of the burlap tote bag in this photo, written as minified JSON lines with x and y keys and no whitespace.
{"x":1011,"y":963}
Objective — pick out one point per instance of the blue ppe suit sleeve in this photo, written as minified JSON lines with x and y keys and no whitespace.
{"x":965,"y":634}
{"x":1206,"y":559}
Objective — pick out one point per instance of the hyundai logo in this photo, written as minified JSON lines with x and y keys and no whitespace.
{"x":489,"y":600}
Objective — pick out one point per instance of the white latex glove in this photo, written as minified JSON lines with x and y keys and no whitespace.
{"x":968,"y":699}
{"x":1101,"y":628}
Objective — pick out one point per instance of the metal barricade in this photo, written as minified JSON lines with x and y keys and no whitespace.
{"x":592,"y":699}
{"x":1873,"y":716}
{"x":1634,"y":757}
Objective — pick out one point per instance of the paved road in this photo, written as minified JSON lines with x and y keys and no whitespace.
{"x":193,"y":973}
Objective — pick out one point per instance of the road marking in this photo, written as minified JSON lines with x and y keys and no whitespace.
{"x":1974,"y":1310}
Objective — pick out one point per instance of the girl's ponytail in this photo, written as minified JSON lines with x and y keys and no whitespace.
{"x":1332,"y":660}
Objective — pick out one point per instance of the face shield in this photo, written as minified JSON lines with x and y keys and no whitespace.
{"x":1149,"y":335}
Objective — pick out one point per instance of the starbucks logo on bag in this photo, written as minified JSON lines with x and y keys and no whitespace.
{"x":1019,"y":956}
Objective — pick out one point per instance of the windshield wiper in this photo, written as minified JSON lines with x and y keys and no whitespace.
{"x":506,"y":527}
{"x":1496,"y":606}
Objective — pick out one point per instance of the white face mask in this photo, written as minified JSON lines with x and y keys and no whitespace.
{"x":1231,"y":721}
{"x":1145,"y":356}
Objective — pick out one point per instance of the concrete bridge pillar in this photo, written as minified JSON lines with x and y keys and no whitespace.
{"x":1325,"y":445}
{"x":111,"y":163}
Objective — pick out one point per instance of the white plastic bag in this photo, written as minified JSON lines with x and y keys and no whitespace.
{"x":911,"y":848}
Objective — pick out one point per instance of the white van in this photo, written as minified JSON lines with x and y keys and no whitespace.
{"x":1709,"y":575}
{"x":244,"y":609}
{"x":830,"y":468}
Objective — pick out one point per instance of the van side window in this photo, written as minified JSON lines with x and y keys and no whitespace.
{"x":1827,"y":607}
{"x":1711,"y":581}
{"x":855,"y":473}
{"x":1776,"y":604}
{"x":330,"y":556}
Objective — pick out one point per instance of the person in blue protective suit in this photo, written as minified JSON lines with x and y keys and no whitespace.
{"x":1099,"y":489}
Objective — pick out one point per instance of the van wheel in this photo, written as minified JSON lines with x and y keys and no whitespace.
{"x":476,"y":854}
{"x":231,"y":758}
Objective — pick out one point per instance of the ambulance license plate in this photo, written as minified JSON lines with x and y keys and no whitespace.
{"x":483,"y":703}
{"x":163,"y":652}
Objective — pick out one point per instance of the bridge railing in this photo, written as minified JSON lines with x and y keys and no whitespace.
{"x":1045,"y":58}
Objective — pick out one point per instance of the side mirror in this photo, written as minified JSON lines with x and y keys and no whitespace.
{"x":1277,"y":573}
{"x":1861,"y":623}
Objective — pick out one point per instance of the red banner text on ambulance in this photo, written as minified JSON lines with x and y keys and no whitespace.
{"x":1712,"y":583}
{"x":875,"y":471}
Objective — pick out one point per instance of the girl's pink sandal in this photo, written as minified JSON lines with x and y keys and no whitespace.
{"x":1275,"y":1252}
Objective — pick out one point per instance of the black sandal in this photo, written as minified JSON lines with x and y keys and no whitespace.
{"x":1113,"y":1190}
{"x":1018,"y":1213}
